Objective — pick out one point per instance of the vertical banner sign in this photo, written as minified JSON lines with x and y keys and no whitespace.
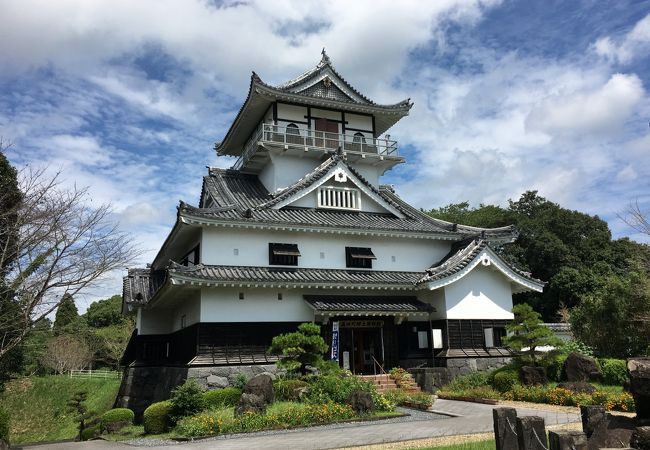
{"x":335,"y":341}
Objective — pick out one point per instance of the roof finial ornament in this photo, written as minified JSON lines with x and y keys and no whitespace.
{"x":324,"y":58}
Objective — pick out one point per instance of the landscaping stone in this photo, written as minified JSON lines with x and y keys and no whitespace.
{"x":262,"y":386}
{"x":567,"y":440}
{"x":217,"y":382}
{"x":639,"y":371}
{"x":579,"y":367}
{"x":577,"y":386}
{"x":361,"y":402}
{"x":250,"y":403}
{"x":3,"y":445}
{"x":593,"y":418}
{"x":114,"y":427}
{"x":640,"y":438}
{"x":531,"y":433}
{"x":505,"y":420}
{"x":530,"y":375}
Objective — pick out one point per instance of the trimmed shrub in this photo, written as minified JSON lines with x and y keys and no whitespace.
{"x":4,"y":425}
{"x":401,"y":397}
{"x":337,"y":389}
{"x":288,"y":390}
{"x":187,"y":400}
{"x":555,"y":368}
{"x":90,"y":433}
{"x":505,"y":380}
{"x":116,"y":418}
{"x":156,"y":417}
{"x":614,"y":371}
{"x":222,"y":397}
{"x":469,"y":381}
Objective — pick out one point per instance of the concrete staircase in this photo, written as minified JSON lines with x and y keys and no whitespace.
{"x":385,"y":383}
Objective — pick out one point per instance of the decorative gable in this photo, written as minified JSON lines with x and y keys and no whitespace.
{"x":326,"y":89}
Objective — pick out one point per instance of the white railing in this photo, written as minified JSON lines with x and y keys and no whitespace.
{"x":338,"y":198}
{"x":95,"y":374}
{"x":312,"y":139}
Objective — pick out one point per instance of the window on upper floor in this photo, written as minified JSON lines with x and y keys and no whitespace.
{"x":191,"y":258}
{"x":359,"y":257}
{"x":293,"y":134}
{"x":283,"y":254}
{"x":339,"y":198}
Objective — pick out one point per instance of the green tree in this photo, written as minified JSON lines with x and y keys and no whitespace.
{"x":67,"y":319}
{"x":110,"y":342}
{"x":77,"y":406}
{"x":302,"y":348}
{"x":528,"y":334}
{"x":105,"y":313}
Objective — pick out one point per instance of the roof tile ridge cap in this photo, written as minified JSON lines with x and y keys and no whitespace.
{"x":400,"y":204}
{"x":307,"y":178}
{"x":254,"y":78}
{"x":461,"y":254}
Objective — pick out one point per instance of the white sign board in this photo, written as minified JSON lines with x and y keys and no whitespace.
{"x":346,"y":360}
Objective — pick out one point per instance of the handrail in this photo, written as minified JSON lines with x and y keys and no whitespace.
{"x":308,"y":138}
{"x":381,"y":368}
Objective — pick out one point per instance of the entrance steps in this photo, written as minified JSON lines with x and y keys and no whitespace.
{"x":385,"y":383}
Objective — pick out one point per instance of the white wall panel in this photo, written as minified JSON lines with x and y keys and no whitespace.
{"x":484,"y":293}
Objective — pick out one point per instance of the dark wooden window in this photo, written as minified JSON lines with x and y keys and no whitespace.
{"x":191,"y":258}
{"x":283,"y":254}
{"x":359,"y":257}
{"x":499,"y":334}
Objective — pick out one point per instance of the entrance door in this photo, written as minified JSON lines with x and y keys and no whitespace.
{"x":326,"y":133}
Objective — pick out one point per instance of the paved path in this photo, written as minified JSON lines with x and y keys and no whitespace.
{"x":471,"y":418}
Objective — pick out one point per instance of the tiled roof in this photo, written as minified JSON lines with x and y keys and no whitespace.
{"x":558,"y":327}
{"x":141,"y":284}
{"x":462,"y":254}
{"x":294,"y":275}
{"x":332,"y":303}
{"x":242,"y":197}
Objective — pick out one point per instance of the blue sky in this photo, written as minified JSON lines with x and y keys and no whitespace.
{"x":128,"y":98}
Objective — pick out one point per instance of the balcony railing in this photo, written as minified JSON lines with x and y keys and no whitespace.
{"x":312,"y":139}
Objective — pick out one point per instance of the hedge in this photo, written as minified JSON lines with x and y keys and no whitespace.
{"x":222,"y":397}
{"x":289,"y":389}
{"x":505,"y":380}
{"x":4,"y":425}
{"x":156,"y":417}
{"x":117,"y":415}
{"x":91,"y":432}
{"x":614,"y":371}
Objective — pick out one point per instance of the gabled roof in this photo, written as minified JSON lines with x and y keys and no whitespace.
{"x":465,"y":256}
{"x":376,"y":304}
{"x":321,"y":86}
{"x":234,"y":196}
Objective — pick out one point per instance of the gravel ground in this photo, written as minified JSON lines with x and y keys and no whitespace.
{"x":414,"y":415}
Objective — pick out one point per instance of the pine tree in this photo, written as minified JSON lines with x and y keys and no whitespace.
{"x":529,"y":333}
{"x":67,"y":317}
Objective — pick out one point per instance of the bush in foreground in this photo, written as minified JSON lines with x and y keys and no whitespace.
{"x":222,"y":397}
{"x":505,"y":380}
{"x":614,"y":371}
{"x":289,"y":390}
{"x":157,"y":417}
{"x":400,"y":397}
{"x":187,"y":400}
{"x":116,"y":418}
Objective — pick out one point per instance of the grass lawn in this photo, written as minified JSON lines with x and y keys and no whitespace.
{"x":38,"y":405}
{"x":488,"y":444}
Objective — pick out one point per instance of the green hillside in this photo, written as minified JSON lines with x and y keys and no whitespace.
{"x":38,"y":405}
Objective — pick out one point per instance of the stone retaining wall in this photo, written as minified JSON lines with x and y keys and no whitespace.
{"x":431,"y":379}
{"x":218,"y":377}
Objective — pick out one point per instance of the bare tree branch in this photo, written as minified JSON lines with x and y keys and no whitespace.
{"x":61,"y":246}
{"x":636,"y":218}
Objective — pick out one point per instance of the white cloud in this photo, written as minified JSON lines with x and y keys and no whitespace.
{"x":634,"y":44}
{"x":601,"y":110}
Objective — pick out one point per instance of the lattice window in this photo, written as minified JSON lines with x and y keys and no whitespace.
{"x":339,"y":198}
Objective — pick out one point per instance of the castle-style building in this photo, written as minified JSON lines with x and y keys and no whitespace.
{"x":301,"y":230}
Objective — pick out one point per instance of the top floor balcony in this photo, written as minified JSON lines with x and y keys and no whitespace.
{"x":292,"y":137}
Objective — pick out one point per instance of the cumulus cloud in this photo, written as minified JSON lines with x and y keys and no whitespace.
{"x":632,"y":45}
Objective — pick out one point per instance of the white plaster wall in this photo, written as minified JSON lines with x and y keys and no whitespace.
{"x":435,"y":298}
{"x":252,"y":245}
{"x":368,"y":171}
{"x":282,"y":171}
{"x":190,"y":307}
{"x":484,"y":293}
{"x":155,"y":321}
{"x":358,"y":122}
{"x":258,"y":305}
{"x":292,"y":113}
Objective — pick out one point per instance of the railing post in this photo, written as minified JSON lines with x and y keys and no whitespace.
{"x":531,"y":433}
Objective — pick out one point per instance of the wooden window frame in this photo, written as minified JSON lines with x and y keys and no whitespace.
{"x":359,"y":257}
{"x":282,"y":254}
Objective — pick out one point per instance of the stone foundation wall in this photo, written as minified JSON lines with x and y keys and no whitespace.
{"x":431,"y":379}
{"x":142,"y":386}
{"x":218,"y":377}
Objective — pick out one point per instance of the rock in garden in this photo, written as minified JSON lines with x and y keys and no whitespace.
{"x":639,"y":371}
{"x":3,"y":445}
{"x":579,"y":367}
{"x":250,"y":403}
{"x":530,"y":375}
{"x":361,"y":402}
{"x":577,"y":386}
{"x":215,"y":381}
{"x":641,"y":438}
{"x":262,"y":386}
